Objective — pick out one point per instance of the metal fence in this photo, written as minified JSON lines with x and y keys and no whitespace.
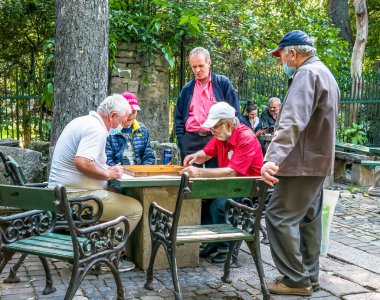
{"x":22,"y":115}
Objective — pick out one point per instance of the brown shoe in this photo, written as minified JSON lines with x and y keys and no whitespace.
{"x":314,"y":285}
{"x":281,"y":289}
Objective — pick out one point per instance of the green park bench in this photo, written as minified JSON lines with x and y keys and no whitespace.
{"x":242,"y":224}
{"x":351,"y":154}
{"x":374,"y":190}
{"x":31,"y":232}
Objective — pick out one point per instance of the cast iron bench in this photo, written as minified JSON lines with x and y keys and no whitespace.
{"x":242,"y":224}
{"x":31,"y":232}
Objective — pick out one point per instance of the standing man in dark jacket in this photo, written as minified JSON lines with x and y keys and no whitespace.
{"x":297,"y":160}
{"x":195,"y":101}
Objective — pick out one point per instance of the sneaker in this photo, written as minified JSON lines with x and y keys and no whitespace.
{"x":280,"y":288}
{"x":124,"y":266}
{"x":314,"y":285}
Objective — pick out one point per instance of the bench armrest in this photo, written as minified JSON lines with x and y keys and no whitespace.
{"x":248,"y":218}
{"x":107,"y":237}
{"x":85,"y":211}
{"x":25,"y":224}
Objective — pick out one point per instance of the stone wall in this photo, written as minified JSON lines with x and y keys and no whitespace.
{"x":147,"y":75}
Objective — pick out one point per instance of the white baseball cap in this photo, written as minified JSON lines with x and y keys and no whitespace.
{"x":220,"y":110}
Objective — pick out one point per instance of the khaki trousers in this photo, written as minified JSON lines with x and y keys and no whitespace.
{"x":115,"y":205}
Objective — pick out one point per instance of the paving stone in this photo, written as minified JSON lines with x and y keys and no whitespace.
{"x":338,"y":286}
{"x":366,"y":296}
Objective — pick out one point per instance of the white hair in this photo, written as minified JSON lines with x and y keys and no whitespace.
{"x":115,"y":103}
{"x":201,"y":51}
{"x":275,"y":100}
{"x":302,"y":50}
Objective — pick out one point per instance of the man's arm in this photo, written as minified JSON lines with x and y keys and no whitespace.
{"x":198,"y":157}
{"x":91,"y":169}
{"x":209,"y":172}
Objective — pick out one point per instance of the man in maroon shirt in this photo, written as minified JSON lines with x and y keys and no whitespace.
{"x":239,"y":154}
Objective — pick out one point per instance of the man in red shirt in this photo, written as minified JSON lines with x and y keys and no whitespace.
{"x":239,"y":154}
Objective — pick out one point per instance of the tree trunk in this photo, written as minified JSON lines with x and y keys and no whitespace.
{"x":339,"y":16}
{"x":81,"y":60}
{"x":359,"y":47}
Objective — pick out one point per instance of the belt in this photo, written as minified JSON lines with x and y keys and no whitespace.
{"x":200,"y":133}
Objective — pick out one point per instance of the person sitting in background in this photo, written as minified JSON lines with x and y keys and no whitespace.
{"x":239,"y":154}
{"x":129,"y":144}
{"x":255,"y":122}
{"x":252,"y":117}
{"x":269,"y":115}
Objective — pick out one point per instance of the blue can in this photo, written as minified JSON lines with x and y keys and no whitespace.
{"x":168,"y":155}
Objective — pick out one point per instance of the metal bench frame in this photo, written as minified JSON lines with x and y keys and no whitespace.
{"x":31,"y":232}
{"x":242,"y":224}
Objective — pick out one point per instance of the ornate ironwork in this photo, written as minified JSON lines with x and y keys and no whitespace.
{"x":24,"y":225}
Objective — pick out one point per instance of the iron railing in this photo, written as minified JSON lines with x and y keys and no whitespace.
{"x":24,"y":117}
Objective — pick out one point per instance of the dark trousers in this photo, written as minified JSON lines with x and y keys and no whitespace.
{"x":193,"y":142}
{"x":293,"y":219}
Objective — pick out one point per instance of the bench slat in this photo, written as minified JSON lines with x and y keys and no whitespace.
{"x":210,"y":233}
{"x":352,"y":147}
{"x":370,"y":163}
{"x":31,"y":246}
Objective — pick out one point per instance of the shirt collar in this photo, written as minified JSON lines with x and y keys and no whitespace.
{"x":208,"y":82}
{"x":97,"y":116}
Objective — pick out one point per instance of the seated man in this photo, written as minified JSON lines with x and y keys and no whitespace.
{"x":239,"y":154}
{"x":269,"y":115}
{"x":130,"y":143}
{"x":79,"y":161}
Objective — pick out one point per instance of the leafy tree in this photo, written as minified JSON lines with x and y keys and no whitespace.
{"x":24,"y":27}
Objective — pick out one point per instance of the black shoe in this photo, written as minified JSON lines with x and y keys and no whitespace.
{"x":208,"y":250}
{"x":219,"y":258}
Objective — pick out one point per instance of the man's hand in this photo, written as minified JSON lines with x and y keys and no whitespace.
{"x":193,"y":171}
{"x":115,"y":171}
{"x":268,"y":171}
{"x":189,"y":160}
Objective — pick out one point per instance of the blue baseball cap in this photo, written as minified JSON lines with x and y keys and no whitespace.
{"x":293,"y":38}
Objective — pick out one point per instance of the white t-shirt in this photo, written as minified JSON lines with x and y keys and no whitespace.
{"x":85,"y":137}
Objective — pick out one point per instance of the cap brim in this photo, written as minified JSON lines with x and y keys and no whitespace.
{"x":135,"y":107}
{"x":210,"y":123}
{"x":275,"y":52}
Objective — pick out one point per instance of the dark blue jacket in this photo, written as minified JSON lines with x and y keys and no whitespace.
{"x":223,"y":91}
{"x":116,"y":144}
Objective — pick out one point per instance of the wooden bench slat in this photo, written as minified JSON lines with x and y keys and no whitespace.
{"x":49,"y":243}
{"x":29,"y":247}
{"x":210,"y":233}
{"x":370,"y":163}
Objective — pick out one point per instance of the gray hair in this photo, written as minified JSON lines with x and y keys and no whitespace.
{"x":275,"y":100}
{"x":302,"y":50}
{"x":235,"y":121}
{"x":201,"y":51}
{"x":115,"y":103}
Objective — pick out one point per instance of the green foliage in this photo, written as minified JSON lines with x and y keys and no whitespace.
{"x":24,"y":27}
{"x":354,"y":134}
{"x":237,"y":33}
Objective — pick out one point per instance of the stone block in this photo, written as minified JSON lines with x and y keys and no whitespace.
{"x":119,"y":88}
{"x":9,"y":143}
{"x":29,"y":160}
{"x":125,"y":73}
{"x":362,"y":175}
{"x":133,"y":86}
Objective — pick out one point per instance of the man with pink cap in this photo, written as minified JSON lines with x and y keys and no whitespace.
{"x":129,"y":144}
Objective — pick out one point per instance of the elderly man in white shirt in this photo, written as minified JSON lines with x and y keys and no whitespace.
{"x":79,"y":160}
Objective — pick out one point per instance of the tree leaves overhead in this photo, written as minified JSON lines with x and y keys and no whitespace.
{"x":234,"y":31}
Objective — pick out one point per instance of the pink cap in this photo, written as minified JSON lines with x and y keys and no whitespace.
{"x":132,"y":99}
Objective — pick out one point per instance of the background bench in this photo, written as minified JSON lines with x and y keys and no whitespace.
{"x":31,"y":232}
{"x":375,"y":165}
{"x":351,"y":154}
{"x":242,"y":224}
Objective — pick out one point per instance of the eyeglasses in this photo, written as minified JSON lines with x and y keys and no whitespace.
{"x":215,"y":127}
